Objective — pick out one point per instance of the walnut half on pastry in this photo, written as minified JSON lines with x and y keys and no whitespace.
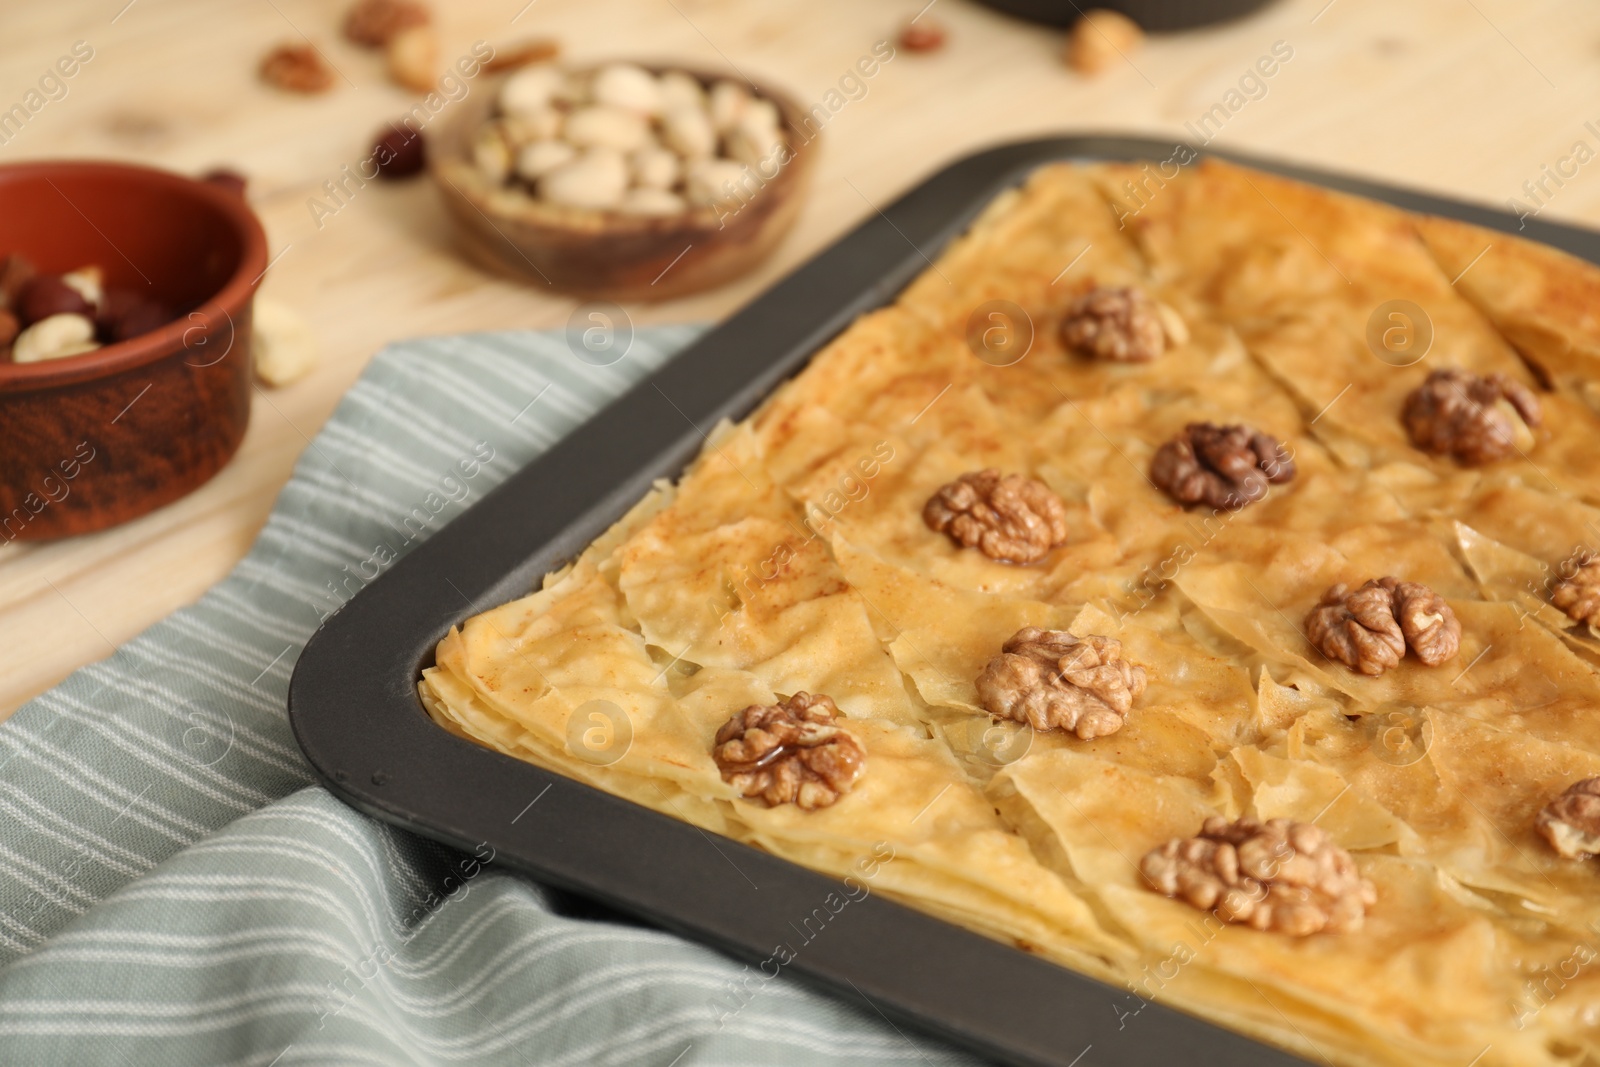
{"x":1283,"y":876}
{"x":789,"y":752}
{"x":1223,"y":466}
{"x":1571,"y":822}
{"x":1579,"y":593}
{"x":1469,"y":417}
{"x":1369,"y":630}
{"x":1052,"y":680}
{"x":1008,"y":518}
{"x":1119,"y":325}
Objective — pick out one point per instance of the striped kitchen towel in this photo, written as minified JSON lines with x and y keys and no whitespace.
{"x":176,"y":891}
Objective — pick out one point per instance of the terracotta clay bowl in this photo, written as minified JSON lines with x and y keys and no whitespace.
{"x":92,"y":440}
{"x":611,"y":255}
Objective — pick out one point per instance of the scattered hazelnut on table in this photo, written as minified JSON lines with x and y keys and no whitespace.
{"x":413,"y":58}
{"x":282,"y":344}
{"x":297,"y":68}
{"x":399,"y":151}
{"x":374,"y":23}
{"x":227,"y":178}
{"x":922,"y":35}
{"x":55,"y":337}
{"x":1099,"y":39}
{"x":535,"y":50}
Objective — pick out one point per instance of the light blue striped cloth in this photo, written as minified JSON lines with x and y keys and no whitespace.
{"x":176,"y":891}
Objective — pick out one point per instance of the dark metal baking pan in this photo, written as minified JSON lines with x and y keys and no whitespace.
{"x":356,"y":715}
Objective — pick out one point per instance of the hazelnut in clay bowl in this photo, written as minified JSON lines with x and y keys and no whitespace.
{"x":627,"y":181}
{"x":125,"y":296}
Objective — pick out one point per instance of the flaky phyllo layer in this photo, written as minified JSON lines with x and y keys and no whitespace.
{"x":793,"y":556}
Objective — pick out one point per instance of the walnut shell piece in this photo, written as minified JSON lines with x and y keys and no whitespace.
{"x":1283,"y":876}
{"x":1221,"y":466}
{"x":1370,"y":629}
{"x":1571,"y":822}
{"x":1579,"y":594}
{"x":791,"y":752}
{"x":1008,"y":518}
{"x":1052,"y":680}
{"x":1120,"y":325}
{"x":1458,"y":413}
{"x":298,"y":68}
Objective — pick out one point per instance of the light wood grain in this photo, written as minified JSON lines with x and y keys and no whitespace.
{"x":1467,"y":97}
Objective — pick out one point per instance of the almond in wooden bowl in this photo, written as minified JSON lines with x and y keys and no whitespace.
{"x":624,"y":180}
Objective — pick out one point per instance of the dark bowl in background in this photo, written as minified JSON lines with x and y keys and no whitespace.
{"x":1157,"y":16}
{"x":99,"y":438}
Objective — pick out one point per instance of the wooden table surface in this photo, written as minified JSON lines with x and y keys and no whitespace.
{"x":1467,"y":97}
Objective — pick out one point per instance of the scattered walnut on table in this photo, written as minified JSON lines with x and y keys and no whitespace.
{"x":1052,"y":680}
{"x":1579,"y":594}
{"x":1369,"y":630}
{"x":298,"y":68}
{"x":373,"y":22}
{"x":789,"y":752}
{"x":1571,"y":822}
{"x":1120,"y":325}
{"x":1223,"y":466}
{"x":1283,"y":876}
{"x":1458,"y":413}
{"x":1008,"y":518}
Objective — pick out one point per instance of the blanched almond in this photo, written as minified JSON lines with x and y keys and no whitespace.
{"x":609,"y":127}
{"x":681,"y":90}
{"x":529,"y":90}
{"x":717,"y":181}
{"x":596,"y":179}
{"x":281,"y":342}
{"x":627,"y":86}
{"x":654,"y":168}
{"x":688,"y":131}
{"x":541,"y":157}
{"x":54,"y":338}
{"x":727,"y":105}
{"x":651,"y":202}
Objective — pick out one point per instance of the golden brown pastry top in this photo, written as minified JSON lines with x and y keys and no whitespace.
{"x":794,"y":556}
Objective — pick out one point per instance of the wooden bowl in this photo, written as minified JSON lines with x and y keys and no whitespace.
{"x":608,"y":254}
{"x":96,"y":439}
